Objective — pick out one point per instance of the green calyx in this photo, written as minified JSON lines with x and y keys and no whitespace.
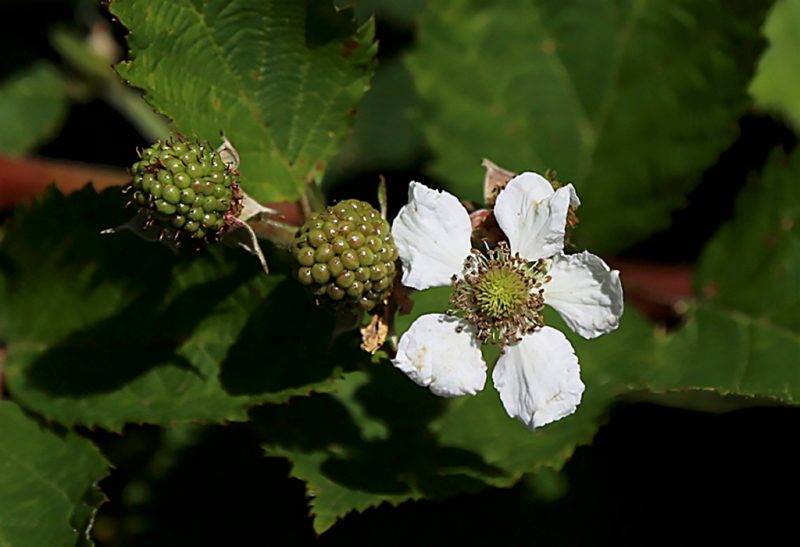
{"x":184,"y":187}
{"x":346,"y":256}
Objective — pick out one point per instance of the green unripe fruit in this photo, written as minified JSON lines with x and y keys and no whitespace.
{"x":182,"y":180}
{"x":365,"y":256}
{"x":339,"y":244}
{"x":164,"y":177}
{"x":320,"y":273}
{"x":356,"y":289}
{"x":335,"y":266}
{"x":362,"y":274}
{"x":316,"y":237}
{"x":196,"y":213}
{"x":209,"y":220}
{"x":305,"y":256}
{"x":147,"y":181}
{"x":187,"y":196}
{"x":171,"y":194}
{"x":304,"y":276}
{"x":323,"y":253}
{"x":345,"y":279}
{"x":350,"y":259}
{"x":355,"y":240}
{"x":339,"y":254}
{"x":377,"y":272}
{"x":334,"y":292}
{"x":164,"y":207}
{"x":183,"y":187}
{"x":174,"y":166}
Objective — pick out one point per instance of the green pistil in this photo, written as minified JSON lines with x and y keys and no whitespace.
{"x":500,"y":292}
{"x":500,"y":295}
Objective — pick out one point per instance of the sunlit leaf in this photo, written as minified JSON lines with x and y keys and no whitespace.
{"x":281,"y":78}
{"x":776,"y":85}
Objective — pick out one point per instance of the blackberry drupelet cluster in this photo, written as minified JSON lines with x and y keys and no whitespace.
{"x":185,"y":188}
{"x":346,"y":255}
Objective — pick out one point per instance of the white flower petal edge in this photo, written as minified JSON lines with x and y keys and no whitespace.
{"x":585,"y":292}
{"x":432,"y":233}
{"x":433,"y":354}
{"x":533,"y":219}
{"x":539,"y":378}
{"x":574,"y":200}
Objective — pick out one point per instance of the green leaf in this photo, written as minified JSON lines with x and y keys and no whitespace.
{"x":776,"y":85}
{"x":33,"y":106}
{"x":628,"y":99}
{"x":48,"y":493}
{"x":402,"y":12}
{"x":280,"y":78}
{"x":380,"y":438}
{"x":386,"y":134}
{"x":108,"y":329}
{"x":744,"y":336}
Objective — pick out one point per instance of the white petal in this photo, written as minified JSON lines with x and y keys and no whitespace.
{"x":435,"y":355}
{"x":586,"y":293}
{"x":574,"y":200}
{"x":432,"y":233}
{"x":532,"y":218}
{"x":539,"y":378}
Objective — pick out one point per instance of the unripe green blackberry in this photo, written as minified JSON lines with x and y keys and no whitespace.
{"x":184,"y":187}
{"x":346,"y":255}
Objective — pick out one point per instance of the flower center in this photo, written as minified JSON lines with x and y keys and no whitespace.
{"x":500,"y":295}
{"x":500,"y":292}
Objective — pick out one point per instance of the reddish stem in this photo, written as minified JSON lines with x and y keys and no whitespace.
{"x":23,"y":178}
{"x":654,"y":289}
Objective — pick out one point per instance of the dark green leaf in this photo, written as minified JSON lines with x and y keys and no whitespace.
{"x":386,"y":134}
{"x":48,"y":493}
{"x":743,"y":336}
{"x":382,"y":438}
{"x":628,"y":99}
{"x":33,"y":105}
{"x":108,"y":329}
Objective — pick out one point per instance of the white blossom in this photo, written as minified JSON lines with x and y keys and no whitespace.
{"x":538,"y":375}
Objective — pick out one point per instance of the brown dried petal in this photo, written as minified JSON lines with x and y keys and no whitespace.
{"x":495,"y":180}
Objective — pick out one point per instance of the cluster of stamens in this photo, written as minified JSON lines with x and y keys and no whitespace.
{"x":500,"y":294}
